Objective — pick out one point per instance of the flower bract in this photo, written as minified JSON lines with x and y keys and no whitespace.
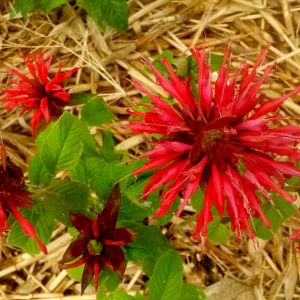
{"x":45,"y":96}
{"x":12,"y":197}
{"x":219,"y":143}
{"x":99,"y":242}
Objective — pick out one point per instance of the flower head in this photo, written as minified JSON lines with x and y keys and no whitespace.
{"x":220,"y":143}
{"x":39,"y":93}
{"x":99,"y":242}
{"x":13,"y":196}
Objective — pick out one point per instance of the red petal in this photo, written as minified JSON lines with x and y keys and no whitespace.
{"x":114,"y":259}
{"x":45,"y":109}
{"x":122,"y":237}
{"x":28,"y":228}
{"x":97,"y":268}
{"x":88,"y":274}
{"x":76,"y":248}
{"x":112,"y":206}
{"x":82,"y":223}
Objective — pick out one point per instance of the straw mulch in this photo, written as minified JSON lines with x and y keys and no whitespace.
{"x":228,"y":271}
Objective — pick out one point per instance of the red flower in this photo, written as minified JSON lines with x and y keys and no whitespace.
{"x":219,"y":144}
{"x":99,"y":242}
{"x":13,"y":196}
{"x":45,"y":96}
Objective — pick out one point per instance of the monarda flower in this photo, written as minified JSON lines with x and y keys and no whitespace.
{"x":99,"y":242}
{"x":220,"y":143}
{"x":39,"y":93}
{"x":13,"y":196}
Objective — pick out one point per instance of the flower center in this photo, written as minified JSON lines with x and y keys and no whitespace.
{"x":210,"y":139}
{"x":97,"y":246}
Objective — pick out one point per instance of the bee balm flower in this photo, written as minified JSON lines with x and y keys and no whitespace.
{"x":13,"y":196}
{"x":39,"y":93}
{"x":99,"y":242}
{"x":219,"y":144}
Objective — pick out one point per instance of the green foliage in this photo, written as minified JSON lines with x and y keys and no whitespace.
{"x":119,"y":295}
{"x":217,"y":232}
{"x":37,"y":172}
{"x":43,"y":224}
{"x":95,"y":113}
{"x":159,"y":66}
{"x":191,"y":291}
{"x":167,"y":276}
{"x":63,"y":145}
{"x":276,"y":218}
{"x":197,"y":200}
{"x":149,"y":237}
{"x":108,"y":12}
{"x":65,"y":195}
{"x":47,"y":5}
{"x":80,"y":98}
{"x":24,"y":6}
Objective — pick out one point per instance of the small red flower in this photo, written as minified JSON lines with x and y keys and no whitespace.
{"x":39,"y":93}
{"x":13,"y":196}
{"x":219,"y":144}
{"x":99,"y":242}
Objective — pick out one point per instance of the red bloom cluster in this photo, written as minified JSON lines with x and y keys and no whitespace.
{"x":45,"y":96}
{"x":220,"y":144}
{"x":13,"y":196}
{"x":99,"y":242}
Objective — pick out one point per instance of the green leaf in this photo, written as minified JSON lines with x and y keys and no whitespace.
{"x":286,"y":210}
{"x":182,"y":67}
{"x":42,"y":137}
{"x":113,"y":279}
{"x":23,"y":6}
{"x":217,"y":232}
{"x":37,"y":172}
{"x":80,"y":98}
{"x":136,"y":254}
{"x":216,"y":62}
{"x":167,"y":276}
{"x":73,"y":232}
{"x":197,"y":200}
{"x":63,"y":146}
{"x":150,"y":261}
{"x":64,"y":195}
{"x":75,"y":273}
{"x":149,"y":237}
{"x":115,"y":13}
{"x":62,"y":216}
{"x":43,"y":224}
{"x":139,"y":296}
{"x":108,"y":148}
{"x":95,"y":113}
{"x":131,"y":211}
{"x":101,"y":293}
{"x":119,"y":295}
{"x":191,"y":291}
{"x":48,"y":5}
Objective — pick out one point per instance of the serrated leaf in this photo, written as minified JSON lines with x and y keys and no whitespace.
{"x":286,"y":210}
{"x":159,"y":66}
{"x":137,"y":254}
{"x":191,"y":291}
{"x":37,"y":172}
{"x":166,"y":282}
{"x":197,"y":200}
{"x":80,"y":98}
{"x":64,"y":195}
{"x":139,"y":296}
{"x":182,"y":67}
{"x":149,"y":237}
{"x":63,"y":146}
{"x":115,"y":13}
{"x":101,"y":293}
{"x":108,"y":149}
{"x":131,"y":211}
{"x":23,"y":6}
{"x":150,"y":261}
{"x":113,"y":279}
{"x":76,"y":273}
{"x":119,"y":295}
{"x":48,"y":5}
{"x":95,"y":113}
{"x":216,"y":62}
{"x":73,"y":232}
{"x":42,"y":137}
{"x":43,"y":224}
